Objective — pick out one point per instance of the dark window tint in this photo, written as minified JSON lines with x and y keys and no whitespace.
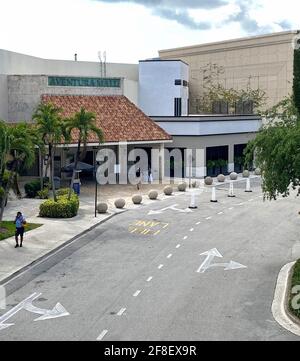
{"x":177,"y":81}
{"x":177,"y":107}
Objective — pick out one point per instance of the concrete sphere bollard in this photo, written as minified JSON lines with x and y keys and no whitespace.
{"x":195,"y":184}
{"x":233,"y":176}
{"x":153,"y":195}
{"x":182,"y":187}
{"x":208,"y":181}
{"x":137,"y":199}
{"x":168,"y":190}
{"x":221,"y":178}
{"x":257,"y":171}
{"x":120,"y":203}
{"x":246,"y":174}
{"x":102,"y":207}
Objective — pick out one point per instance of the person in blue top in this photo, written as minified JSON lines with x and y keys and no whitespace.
{"x":20,"y":221}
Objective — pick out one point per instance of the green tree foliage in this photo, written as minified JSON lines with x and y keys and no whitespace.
{"x":17,"y":150}
{"x":51,"y":128}
{"x":83,"y":123}
{"x":296,"y":83}
{"x":214,"y":90}
{"x":277,"y":150}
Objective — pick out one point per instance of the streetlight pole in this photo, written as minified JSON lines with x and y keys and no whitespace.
{"x":96,"y":190}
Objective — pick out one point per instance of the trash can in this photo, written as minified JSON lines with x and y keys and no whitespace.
{"x":76,"y":186}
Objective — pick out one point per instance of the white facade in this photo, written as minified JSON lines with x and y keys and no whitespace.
{"x":15,"y":64}
{"x":158,"y":89}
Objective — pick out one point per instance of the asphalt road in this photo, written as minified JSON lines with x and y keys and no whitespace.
{"x":135,"y":277}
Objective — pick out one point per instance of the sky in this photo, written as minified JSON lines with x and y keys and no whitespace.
{"x":133,"y":30}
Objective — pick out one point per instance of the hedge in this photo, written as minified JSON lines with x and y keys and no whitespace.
{"x":32,"y":188}
{"x":63,"y":208}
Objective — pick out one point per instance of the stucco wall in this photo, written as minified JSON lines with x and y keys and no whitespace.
{"x":157,"y":88}
{"x":265,"y":62}
{"x":24,"y":92}
{"x":3,"y":97}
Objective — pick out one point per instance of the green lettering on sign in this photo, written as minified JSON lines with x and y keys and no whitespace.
{"x":84,"y":82}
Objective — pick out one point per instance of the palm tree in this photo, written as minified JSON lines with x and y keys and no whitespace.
{"x":84,"y":123}
{"x":51,"y":127}
{"x":19,"y":151}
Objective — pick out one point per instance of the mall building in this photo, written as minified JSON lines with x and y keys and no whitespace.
{"x":151,"y":104}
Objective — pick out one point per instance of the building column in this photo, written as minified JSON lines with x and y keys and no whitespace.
{"x":161,"y":162}
{"x":200,"y":163}
{"x":230,"y":158}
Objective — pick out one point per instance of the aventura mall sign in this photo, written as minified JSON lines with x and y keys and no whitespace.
{"x":84,"y":82}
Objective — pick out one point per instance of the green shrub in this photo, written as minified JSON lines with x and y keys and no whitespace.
{"x":64,"y":192}
{"x":63,"y":208}
{"x":32,"y":188}
{"x":43,"y":194}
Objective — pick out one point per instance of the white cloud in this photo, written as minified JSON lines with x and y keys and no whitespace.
{"x":128,"y":32}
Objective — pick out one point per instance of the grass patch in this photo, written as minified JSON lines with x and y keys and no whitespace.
{"x":295,"y":282}
{"x":8,"y":228}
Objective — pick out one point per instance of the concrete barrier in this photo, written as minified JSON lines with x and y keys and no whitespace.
{"x":182,"y":187}
{"x":233,"y":176}
{"x":153,"y":194}
{"x":168,"y":190}
{"x":120,"y":203}
{"x":208,"y":181}
{"x":137,"y":199}
{"x":221,"y":178}
{"x":102,"y":207}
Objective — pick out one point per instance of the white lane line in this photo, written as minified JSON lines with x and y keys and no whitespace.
{"x":150,"y":279}
{"x":178,"y":246}
{"x":230,"y":209}
{"x":260,"y":196}
{"x":122,"y":310}
{"x":241,"y":204}
{"x":170,"y":255}
{"x":250,"y":200}
{"x":221,"y":213}
{"x":192,"y":230}
{"x":137,"y":293}
{"x":102,"y":334}
{"x":198,"y":223}
{"x":160,"y":266}
{"x":185,"y":237}
{"x":208,"y":218}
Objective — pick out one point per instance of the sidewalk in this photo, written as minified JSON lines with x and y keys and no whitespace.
{"x":55,"y":232}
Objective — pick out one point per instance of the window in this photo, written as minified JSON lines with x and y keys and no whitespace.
{"x":185,"y":83}
{"x":177,"y":107}
{"x":177,"y":81}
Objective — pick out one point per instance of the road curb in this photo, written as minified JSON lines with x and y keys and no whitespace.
{"x":280,"y":303}
{"x":39,"y":260}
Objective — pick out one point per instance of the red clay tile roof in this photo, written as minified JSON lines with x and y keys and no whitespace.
{"x":119,"y":119}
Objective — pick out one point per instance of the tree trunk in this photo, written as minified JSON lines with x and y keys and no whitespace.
{"x":75,"y":168}
{"x":51,"y":156}
{"x":41,"y":169}
{"x":6,"y":189}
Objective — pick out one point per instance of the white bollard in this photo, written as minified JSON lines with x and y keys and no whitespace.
{"x":193,"y":201}
{"x":248,"y":186}
{"x":231,"y":191}
{"x":213,"y":195}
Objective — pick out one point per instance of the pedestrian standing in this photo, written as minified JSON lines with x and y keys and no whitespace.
{"x":20,"y":222}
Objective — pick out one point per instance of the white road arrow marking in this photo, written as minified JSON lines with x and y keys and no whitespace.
{"x":173,"y":208}
{"x":57,"y":311}
{"x":210,"y":255}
